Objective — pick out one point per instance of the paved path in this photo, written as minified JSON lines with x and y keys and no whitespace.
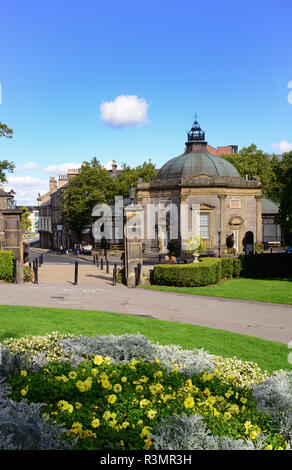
{"x":263,"y":320}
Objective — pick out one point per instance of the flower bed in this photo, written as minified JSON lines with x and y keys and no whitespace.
{"x":126,"y":392}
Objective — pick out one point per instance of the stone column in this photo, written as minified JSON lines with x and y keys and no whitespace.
{"x":133,"y":235}
{"x":222,"y":239}
{"x":258,"y":218}
{"x":13,"y":237}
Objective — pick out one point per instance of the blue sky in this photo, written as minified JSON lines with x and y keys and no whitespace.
{"x":229,"y":62}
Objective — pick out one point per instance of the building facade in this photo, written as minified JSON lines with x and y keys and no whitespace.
{"x":224,"y":202}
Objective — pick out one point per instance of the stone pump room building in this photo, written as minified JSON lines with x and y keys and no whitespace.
{"x":224,"y":202}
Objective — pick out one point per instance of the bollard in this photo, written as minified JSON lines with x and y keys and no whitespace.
{"x":101,"y":264}
{"x":97,"y":260}
{"x":36,"y":262}
{"x":29,"y":265}
{"x":115,"y":275}
{"x":94,"y":259}
{"x":14,"y":271}
{"x":138,"y":274}
{"x":107,"y":266}
{"x":40,"y":261}
{"x":36,"y":274}
{"x":76,"y":274}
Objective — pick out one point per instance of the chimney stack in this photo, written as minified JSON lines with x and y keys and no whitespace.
{"x":53,"y":184}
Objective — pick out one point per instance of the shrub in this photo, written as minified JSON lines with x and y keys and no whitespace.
{"x":266,"y":265}
{"x":227,"y":267}
{"x":207,"y":271}
{"x":6,"y":265}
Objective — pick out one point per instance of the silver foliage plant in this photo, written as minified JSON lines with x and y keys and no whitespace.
{"x":12,"y":363}
{"x":22,"y":427}
{"x":182,"y":432}
{"x":274,"y":397}
{"x":128,"y":347}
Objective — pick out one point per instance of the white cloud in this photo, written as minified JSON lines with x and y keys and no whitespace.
{"x":26,"y":188}
{"x":29,"y":166}
{"x":282,"y":147}
{"x":62,"y":168}
{"x":124,"y":111}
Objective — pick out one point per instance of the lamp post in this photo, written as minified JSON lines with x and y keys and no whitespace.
{"x":219,"y":243}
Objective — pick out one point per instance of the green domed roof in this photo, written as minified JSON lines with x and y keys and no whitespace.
{"x":196,"y":164}
{"x":197,"y":160}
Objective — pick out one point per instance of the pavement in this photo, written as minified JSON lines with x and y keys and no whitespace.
{"x":95,"y":291}
{"x":263,"y":320}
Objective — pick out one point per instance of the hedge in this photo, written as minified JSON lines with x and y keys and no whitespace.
{"x":207,"y":271}
{"x":266,"y":265}
{"x":6,"y":265}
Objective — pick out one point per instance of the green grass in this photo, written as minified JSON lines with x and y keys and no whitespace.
{"x":18,"y":321}
{"x":260,"y":290}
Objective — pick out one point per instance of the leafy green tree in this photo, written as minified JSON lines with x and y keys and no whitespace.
{"x":4,"y":164}
{"x":284,"y":218}
{"x":253,"y":162}
{"x":5,"y":131}
{"x":130,"y":176}
{"x":91,"y":186}
{"x":25,"y":220}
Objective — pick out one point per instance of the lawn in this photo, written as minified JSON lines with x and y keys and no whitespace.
{"x":19,"y":321}
{"x":261,"y":290}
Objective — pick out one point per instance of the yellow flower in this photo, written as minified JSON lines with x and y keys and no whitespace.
{"x":98,"y":360}
{"x":78,"y":405}
{"x":145,"y":431}
{"x":144,"y":403}
{"x":72,"y":375}
{"x":189,"y":402}
{"x":95,"y":423}
{"x":227,"y":415}
{"x":94,"y":372}
{"x":111,"y":399}
{"x":269,"y":447}
{"x":23,"y":373}
{"x":140,"y":422}
{"x":23,"y":392}
{"x":139,"y":388}
{"x":107,"y":360}
{"x":148,"y":443}
{"x":247,"y":426}
{"x":229,"y":393}
{"x":113,"y":423}
{"x":122,"y":443}
{"x":151,"y":414}
{"x":124,"y":379}
{"x":105,"y":383}
{"x":117,"y":388}
{"x":125,"y":424}
{"x":158,"y":374}
{"x":243,"y":400}
{"x":253,"y":434}
{"x":107,"y":415}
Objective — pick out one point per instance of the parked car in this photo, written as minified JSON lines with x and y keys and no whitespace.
{"x":288,"y":249}
{"x":87,"y":249}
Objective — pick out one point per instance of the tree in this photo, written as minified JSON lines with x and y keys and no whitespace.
{"x":25,"y":220}
{"x":91,"y":186}
{"x":5,"y":131}
{"x":130,"y":176}
{"x":284,"y":217}
{"x":253,"y":162}
{"x":5,"y":165}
